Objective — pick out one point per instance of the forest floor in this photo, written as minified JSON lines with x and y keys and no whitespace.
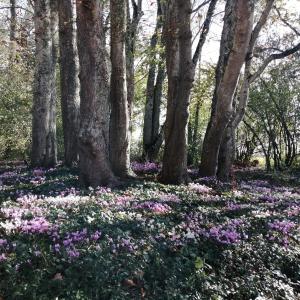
{"x":207,"y":240}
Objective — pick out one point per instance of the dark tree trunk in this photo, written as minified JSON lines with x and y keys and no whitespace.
{"x":235,"y":40}
{"x":226,"y":154}
{"x":13,"y":29}
{"x":69,"y":80}
{"x":95,"y":168}
{"x":44,"y":150}
{"x":131,"y":36}
{"x":180,"y":69}
{"x":156,"y":76}
{"x":119,"y":122}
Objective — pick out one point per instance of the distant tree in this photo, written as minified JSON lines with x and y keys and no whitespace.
{"x":69,"y":80}
{"x":44,"y":148}
{"x":95,"y":168}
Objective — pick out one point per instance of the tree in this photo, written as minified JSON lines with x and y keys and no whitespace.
{"x":13,"y":29}
{"x":119,"y":122}
{"x":44,"y":149}
{"x":95,"y":168}
{"x":180,"y":71}
{"x":152,"y":135}
{"x":236,"y":33}
{"x":249,"y":77}
{"x":131,"y":36}
{"x":69,"y":80}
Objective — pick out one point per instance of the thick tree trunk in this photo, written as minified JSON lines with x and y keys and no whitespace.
{"x":95,"y":168}
{"x":235,"y":40}
{"x":44,"y":151}
{"x":119,"y":122}
{"x":249,"y":76}
{"x":180,"y":69}
{"x":226,"y":154}
{"x":69,"y":80}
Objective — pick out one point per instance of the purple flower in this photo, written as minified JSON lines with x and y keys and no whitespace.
{"x":3,"y":242}
{"x":96,"y":235}
{"x":3,"y":257}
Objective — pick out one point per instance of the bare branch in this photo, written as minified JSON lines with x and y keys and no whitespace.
{"x":200,"y":6}
{"x":284,"y":21}
{"x":205,"y":30}
{"x":272,"y":57}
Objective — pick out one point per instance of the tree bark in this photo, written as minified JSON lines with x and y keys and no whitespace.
{"x":131,"y":36}
{"x":156,"y":76}
{"x":180,"y":70}
{"x":69,"y":80}
{"x":44,"y":150}
{"x":119,"y":122}
{"x":95,"y":168}
{"x":13,"y":29}
{"x":236,"y":33}
{"x":250,"y":77}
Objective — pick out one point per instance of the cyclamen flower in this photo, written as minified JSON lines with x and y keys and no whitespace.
{"x":154,"y":207}
{"x":282,"y":226}
{"x":169,"y":198}
{"x":36,"y":225}
{"x":3,"y":242}
{"x":199,"y":188}
{"x":3,"y":257}
{"x":233,"y":206}
{"x":147,"y":167}
{"x":38,"y":172}
{"x":96,"y":235}
{"x":268,"y":198}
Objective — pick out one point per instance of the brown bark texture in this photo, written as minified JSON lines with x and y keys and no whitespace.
{"x":95,"y":168}
{"x":235,"y":39}
{"x":69,"y":80}
{"x":44,"y":149}
{"x":119,"y":119}
{"x":180,"y":71}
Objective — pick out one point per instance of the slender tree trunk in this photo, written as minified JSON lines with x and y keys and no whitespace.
{"x":119,"y":123}
{"x":69,"y":80}
{"x":156,"y":76}
{"x":131,"y":36}
{"x":235,"y":40}
{"x":44,"y":151}
{"x":13,"y":29}
{"x":95,"y":168}
{"x":180,"y":69}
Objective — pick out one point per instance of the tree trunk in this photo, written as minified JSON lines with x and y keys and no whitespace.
{"x":44,"y":150}
{"x":119,"y":123}
{"x":131,"y":36}
{"x":180,"y":69}
{"x":156,"y":77}
{"x":95,"y":168}
{"x":226,"y":154}
{"x":13,"y":29}
{"x":69,"y":80}
{"x":235,"y":40}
